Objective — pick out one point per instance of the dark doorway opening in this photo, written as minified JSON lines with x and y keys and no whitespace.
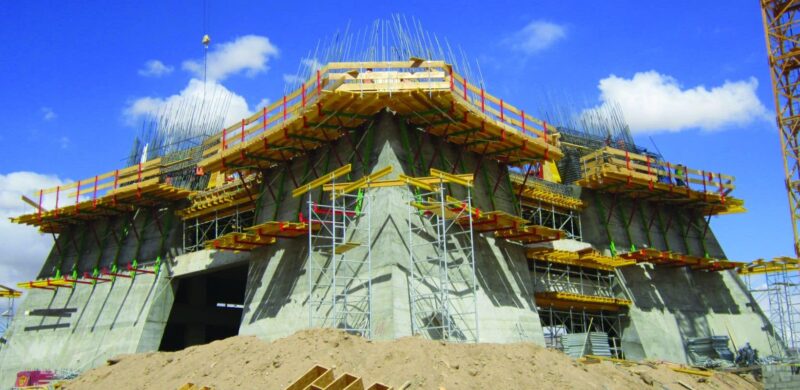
{"x":207,"y":307}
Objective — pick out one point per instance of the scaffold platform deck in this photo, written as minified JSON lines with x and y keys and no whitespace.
{"x":640,"y":176}
{"x":342,"y":96}
{"x":564,"y":300}
{"x":586,"y":258}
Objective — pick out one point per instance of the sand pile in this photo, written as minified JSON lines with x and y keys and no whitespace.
{"x":249,"y":363}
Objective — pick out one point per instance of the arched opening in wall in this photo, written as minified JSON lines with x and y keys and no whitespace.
{"x":208,"y":306}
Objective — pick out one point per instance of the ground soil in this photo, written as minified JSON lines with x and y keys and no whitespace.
{"x":248,"y":363}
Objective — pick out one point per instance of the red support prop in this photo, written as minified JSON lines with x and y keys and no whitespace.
{"x":284,"y":108}
{"x":303,"y":91}
{"x":58,"y":190}
{"x":78,"y":198}
{"x":483,"y":101}
{"x":465,"y":88}
{"x":522,"y":115}
{"x":721,"y":188}
{"x":105,"y":271}
{"x":241,"y":141}
{"x":319,"y":210}
{"x":319,"y":84}
{"x":452,"y":81}
{"x":39,"y":213}
{"x":68,"y":280}
{"x":87,"y":275}
{"x":264,"y":119}
{"x":224,"y":136}
{"x":94,"y":194}
{"x":130,"y":268}
{"x":502,"y":111}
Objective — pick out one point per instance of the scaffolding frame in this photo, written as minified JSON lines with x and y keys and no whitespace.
{"x":8,"y":313}
{"x":577,"y":280}
{"x":782,"y":289}
{"x":197,"y":231}
{"x":340,"y":289}
{"x":783,"y":292}
{"x":442,"y":283}
{"x":567,"y":221}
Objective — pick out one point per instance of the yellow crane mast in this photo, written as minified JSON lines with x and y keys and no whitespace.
{"x":783,"y":47}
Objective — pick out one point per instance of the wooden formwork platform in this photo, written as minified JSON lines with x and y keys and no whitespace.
{"x":640,"y":176}
{"x":108,"y":194}
{"x":665,"y":258}
{"x":493,"y":221}
{"x":564,"y":300}
{"x":531,"y":191}
{"x":238,"y":193}
{"x":282,"y":229}
{"x":342,"y":96}
{"x":530,"y":234}
{"x":585,"y":258}
{"x":761,"y":266}
{"x":240,"y":242}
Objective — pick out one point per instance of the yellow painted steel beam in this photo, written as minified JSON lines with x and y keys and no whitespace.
{"x":417,"y":183}
{"x":367,"y":180}
{"x":326,"y":178}
{"x":451,"y":178}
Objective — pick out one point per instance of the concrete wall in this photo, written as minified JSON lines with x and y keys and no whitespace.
{"x":276,"y":298}
{"x":673,"y":304}
{"x":108,"y":319}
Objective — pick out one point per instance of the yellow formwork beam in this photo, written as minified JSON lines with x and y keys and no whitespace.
{"x":417,"y":183}
{"x":451,"y":178}
{"x":761,"y":266}
{"x":326,"y":178}
{"x":587,"y":259}
{"x":7,"y":292}
{"x":366,"y":180}
{"x":590,"y":302}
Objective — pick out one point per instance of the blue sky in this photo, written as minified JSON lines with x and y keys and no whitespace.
{"x":69,"y":73}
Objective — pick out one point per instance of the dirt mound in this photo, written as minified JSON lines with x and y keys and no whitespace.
{"x":249,"y":363}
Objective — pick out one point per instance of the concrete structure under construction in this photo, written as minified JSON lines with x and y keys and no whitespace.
{"x":387,"y":199}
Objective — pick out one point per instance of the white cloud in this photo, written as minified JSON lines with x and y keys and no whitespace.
{"x":308,"y":66}
{"x":193,"y":94}
{"x":24,"y":248}
{"x":249,"y":53}
{"x":64,"y":142}
{"x":536,"y":36}
{"x":155,"y":68}
{"x":652,"y":102}
{"x":48,"y":114}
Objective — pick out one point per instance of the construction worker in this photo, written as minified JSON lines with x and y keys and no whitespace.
{"x":680,"y":172}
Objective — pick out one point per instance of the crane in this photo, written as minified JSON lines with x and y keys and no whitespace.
{"x":781,"y":20}
{"x":782,"y":31}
